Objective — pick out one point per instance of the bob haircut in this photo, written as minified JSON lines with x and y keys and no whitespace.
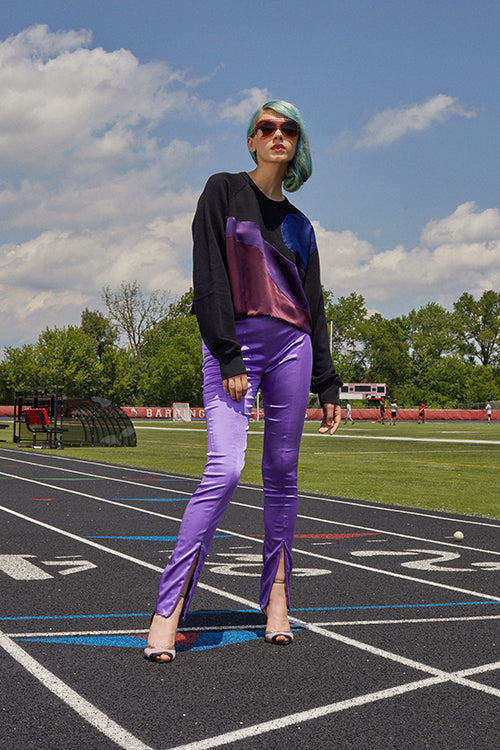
{"x":300,"y":168}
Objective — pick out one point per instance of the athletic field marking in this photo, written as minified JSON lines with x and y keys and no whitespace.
{"x":341,"y":435}
{"x":382,"y":531}
{"x":62,"y":690}
{"x":252,"y":611}
{"x":414,"y":621}
{"x":241,"y":536}
{"x":315,"y":555}
{"x":122,"y":615}
{"x":321,"y":711}
{"x":220,"y":628}
{"x":76,"y":702}
{"x":342,"y":501}
{"x":127,"y":741}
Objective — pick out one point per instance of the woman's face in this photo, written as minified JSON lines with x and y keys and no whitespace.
{"x":275,"y":148}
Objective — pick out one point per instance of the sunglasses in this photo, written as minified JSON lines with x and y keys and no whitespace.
{"x":266,"y":128}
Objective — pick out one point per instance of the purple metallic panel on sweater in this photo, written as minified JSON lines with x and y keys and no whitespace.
{"x":263,"y":281}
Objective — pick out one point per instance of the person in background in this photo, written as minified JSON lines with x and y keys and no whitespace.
{"x":394,"y":411}
{"x":259,"y":304}
{"x":348,"y":414}
{"x":421,"y":413}
{"x":488,"y":412}
{"x":382,"y":411}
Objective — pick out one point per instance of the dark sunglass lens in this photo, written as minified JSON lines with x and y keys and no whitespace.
{"x":266,"y":128}
{"x":290,"y":129}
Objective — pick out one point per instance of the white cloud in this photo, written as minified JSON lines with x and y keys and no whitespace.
{"x":463,"y":226}
{"x":393,"y":123}
{"x":87,"y":179}
{"x":95,"y":193}
{"x":49,"y":280}
{"x":243,"y":110}
{"x":79,"y":104}
{"x":40,"y":43}
{"x":456,"y":254}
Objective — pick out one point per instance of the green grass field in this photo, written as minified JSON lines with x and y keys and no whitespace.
{"x":446,"y":472}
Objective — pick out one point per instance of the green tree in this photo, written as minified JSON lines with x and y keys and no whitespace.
{"x":481,"y":386}
{"x":345,"y":318}
{"x":174,"y":373}
{"x":385,"y":352}
{"x":120,"y":373}
{"x":478,"y":327}
{"x":172,"y":357}
{"x":18,"y":370}
{"x":134,"y":312}
{"x":100,"y":329}
{"x":177,"y":322}
{"x":65,"y":357}
{"x":446,"y":381}
{"x":431,"y":334}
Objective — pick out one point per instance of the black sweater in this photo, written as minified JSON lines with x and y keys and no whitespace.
{"x":255,"y":256}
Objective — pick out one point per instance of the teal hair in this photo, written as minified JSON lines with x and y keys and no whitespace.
{"x":300,"y":168}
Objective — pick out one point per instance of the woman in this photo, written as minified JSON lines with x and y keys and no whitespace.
{"x":259,"y":305}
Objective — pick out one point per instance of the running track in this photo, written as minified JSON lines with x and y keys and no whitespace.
{"x":397,"y":637}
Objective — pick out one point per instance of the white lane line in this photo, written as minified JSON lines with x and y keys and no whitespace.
{"x":341,"y":501}
{"x":240,"y":600}
{"x":400,"y":438}
{"x":379,"y":530}
{"x":413,"y":621}
{"x":103,"y":723}
{"x":137,"y":631}
{"x":392,"y":574}
{"x":410,"y":439}
{"x":321,"y":711}
{"x":134,"y":508}
{"x":123,"y":555}
{"x":86,"y":461}
{"x":255,"y":507}
{"x":218,"y":628}
{"x":403,"y":511}
{"x":99,"y":476}
{"x":438,"y":675}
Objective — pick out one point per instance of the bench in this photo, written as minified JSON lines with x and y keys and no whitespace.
{"x":37,"y":420}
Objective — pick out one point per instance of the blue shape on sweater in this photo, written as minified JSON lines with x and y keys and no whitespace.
{"x":298,"y":236}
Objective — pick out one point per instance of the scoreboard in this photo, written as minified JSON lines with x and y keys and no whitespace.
{"x":362,"y":390}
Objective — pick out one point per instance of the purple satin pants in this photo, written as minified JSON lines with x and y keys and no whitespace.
{"x":278,"y":359}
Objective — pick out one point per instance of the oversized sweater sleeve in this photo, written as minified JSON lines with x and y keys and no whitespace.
{"x":212,"y":303}
{"x":325,"y":380}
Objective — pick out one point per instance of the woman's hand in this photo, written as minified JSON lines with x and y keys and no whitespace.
{"x":331,"y":418}
{"x":237,"y":386}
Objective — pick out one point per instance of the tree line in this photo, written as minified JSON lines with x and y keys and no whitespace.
{"x":146,"y":351}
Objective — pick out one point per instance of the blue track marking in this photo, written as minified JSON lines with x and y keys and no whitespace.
{"x":247,"y":611}
{"x":192,"y":641}
{"x":393,"y":606}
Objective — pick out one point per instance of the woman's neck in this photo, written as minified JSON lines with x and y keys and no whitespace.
{"x":269,"y":181}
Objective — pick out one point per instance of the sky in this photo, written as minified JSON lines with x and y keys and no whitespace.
{"x":113,"y":114}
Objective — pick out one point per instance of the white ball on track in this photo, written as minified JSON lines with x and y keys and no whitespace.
{"x":458,"y":536}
